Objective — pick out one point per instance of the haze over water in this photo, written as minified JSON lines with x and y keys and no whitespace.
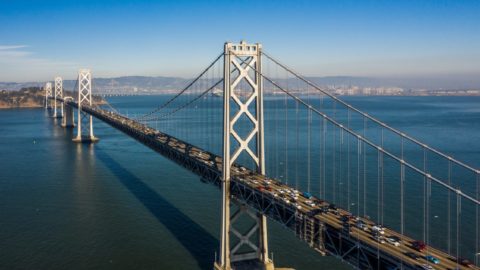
{"x":119,"y":205}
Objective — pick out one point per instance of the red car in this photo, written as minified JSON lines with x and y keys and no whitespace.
{"x":419,"y":245}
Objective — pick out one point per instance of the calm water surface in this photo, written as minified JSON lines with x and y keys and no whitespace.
{"x":118,"y":205}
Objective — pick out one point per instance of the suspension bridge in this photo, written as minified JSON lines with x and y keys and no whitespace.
{"x":281,"y":148}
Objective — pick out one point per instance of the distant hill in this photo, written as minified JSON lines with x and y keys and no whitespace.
{"x":30,"y":97}
{"x":126,"y":84}
{"x":161,"y":84}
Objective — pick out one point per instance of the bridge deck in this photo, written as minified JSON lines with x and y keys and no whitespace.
{"x":310,"y":219}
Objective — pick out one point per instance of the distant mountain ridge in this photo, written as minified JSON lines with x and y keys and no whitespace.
{"x":159,"y":84}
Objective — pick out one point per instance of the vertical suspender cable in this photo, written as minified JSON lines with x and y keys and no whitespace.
{"x":286,"y":134}
{"x":276,"y":147}
{"x":449,"y":237}
{"x":297,"y":145}
{"x":320,"y":159}
{"x":308,"y":148}
{"x":286,"y":137}
{"x":309,"y":124}
{"x":459,"y":210}
{"x":364,"y":168}
{"x":323,"y":159}
{"x":348,"y":161}
{"x":334,"y":158}
{"x":429,"y":193}
{"x":402,"y":180}
{"x":379,"y":160}
{"x":425,"y":191}
{"x":382,"y":183}
{"x":359,"y":151}
{"x":477,"y":250}
{"x":340,"y":190}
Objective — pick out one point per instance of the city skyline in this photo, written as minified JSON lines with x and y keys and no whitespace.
{"x":120,"y":38}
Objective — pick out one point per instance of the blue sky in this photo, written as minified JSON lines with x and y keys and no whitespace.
{"x":42,"y":39}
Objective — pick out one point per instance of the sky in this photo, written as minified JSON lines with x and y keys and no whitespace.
{"x":43,"y":39}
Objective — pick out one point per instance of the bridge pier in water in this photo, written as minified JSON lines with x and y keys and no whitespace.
{"x":247,"y":253}
{"x":84,"y":120}
{"x":68,"y":120}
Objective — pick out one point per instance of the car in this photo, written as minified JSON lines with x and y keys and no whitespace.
{"x":465,"y":262}
{"x":425,"y":267}
{"x":324,"y":209}
{"x":412,"y":255}
{"x":310,"y":203}
{"x":307,"y":195}
{"x":419,"y":245}
{"x":393,"y":240}
{"x":379,"y":239}
{"x":344,"y":218}
{"x":318,"y":201}
{"x":361,"y":225}
{"x":378,"y":228}
{"x":432,"y":259}
{"x":332,"y":207}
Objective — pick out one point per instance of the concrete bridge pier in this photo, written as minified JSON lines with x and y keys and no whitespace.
{"x":68,"y":120}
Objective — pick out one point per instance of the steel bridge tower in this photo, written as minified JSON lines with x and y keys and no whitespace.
{"x":58,"y":94}
{"x":48,"y":94}
{"x":84,"y":120}
{"x":238,"y":60}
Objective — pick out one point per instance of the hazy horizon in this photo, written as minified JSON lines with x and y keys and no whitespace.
{"x":388,"y":39}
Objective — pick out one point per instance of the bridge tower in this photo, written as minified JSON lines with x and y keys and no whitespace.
{"x":84,"y":120}
{"x":58,"y":94}
{"x":48,"y":94}
{"x":235,"y":71}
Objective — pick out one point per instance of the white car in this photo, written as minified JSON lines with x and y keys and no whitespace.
{"x":379,"y":239}
{"x":393,"y":240}
{"x":361,"y":225}
{"x":427,"y":267}
{"x":379,"y":229}
{"x":310,"y":203}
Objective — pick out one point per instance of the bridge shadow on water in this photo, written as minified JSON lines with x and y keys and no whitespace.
{"x":199,"y":242}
